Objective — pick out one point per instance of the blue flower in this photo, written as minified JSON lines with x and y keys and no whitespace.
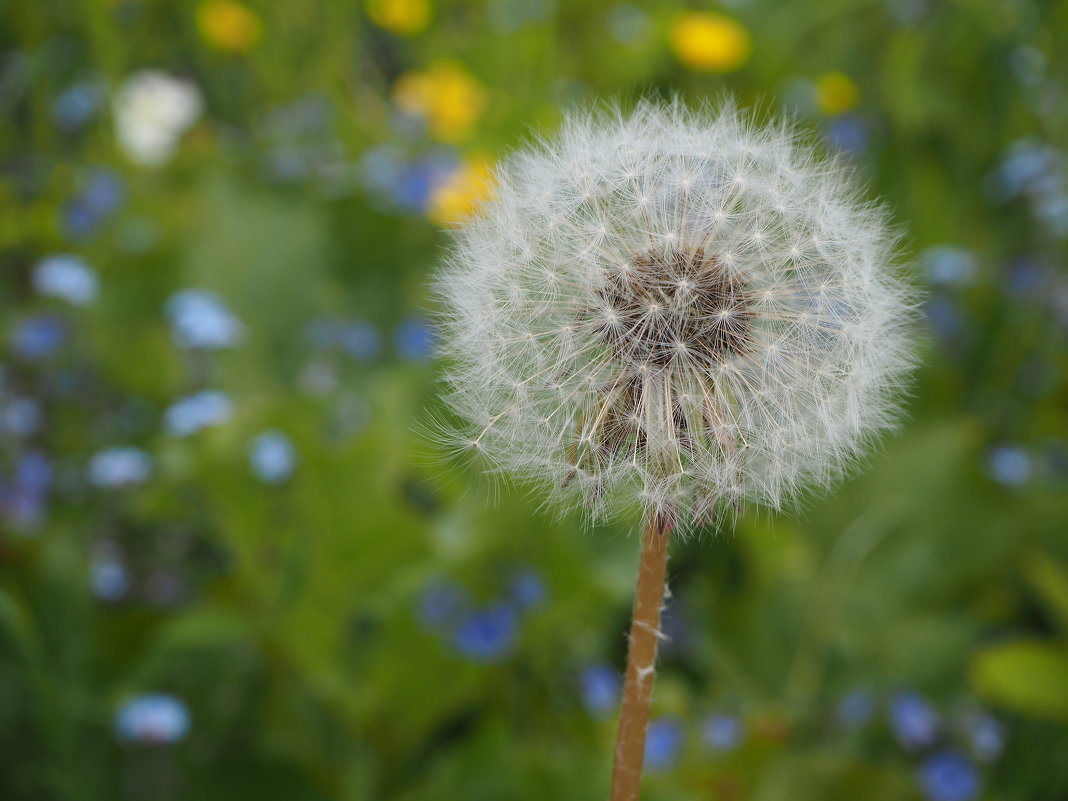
{"x":1009,"y":465}
{"x":414,"y":340}
{"x":722,"y":732}
{"x":486,"y":635}
{"x":440,"y":604}
{"x":599,"y":687}
{"x":359,"y":340}
{"x":199,"y":320}
{"x":196,"y":412}
{"x":913,"y":722}
{"x":20,"y":417}
{"x":527,"y":589}
{"x":948,"y":265}
{"x":118,"y":467}
{"x":33,"y":472}
{"x":101,"y":195}
{"x":273,"y":457}
{"x":154,"y":719}
{"x":37,"y":337}
{"x":944,"y":316}
{"x":848,"y":133}
{"x":948,"y":776}
{"x":76,"y":105}
{"x":663,"y":744}
{"x":855,"y":708}
{"x":108,"y":577}
{"x":986,"y":734}
{"x":67,"y":278}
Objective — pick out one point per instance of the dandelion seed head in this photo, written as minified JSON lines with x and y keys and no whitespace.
{"x":725,"y":322}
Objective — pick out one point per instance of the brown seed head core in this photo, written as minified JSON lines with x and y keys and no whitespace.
{"x":664,"y":306}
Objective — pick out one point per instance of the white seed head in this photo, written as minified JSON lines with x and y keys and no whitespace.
{"x":725,"y":322}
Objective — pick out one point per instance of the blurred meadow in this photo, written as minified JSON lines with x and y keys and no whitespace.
{"x":230,"y":564}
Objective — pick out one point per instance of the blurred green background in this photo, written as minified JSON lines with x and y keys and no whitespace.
{"x":230,"y":566}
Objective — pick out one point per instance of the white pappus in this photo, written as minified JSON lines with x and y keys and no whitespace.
{"x":678,"y":310}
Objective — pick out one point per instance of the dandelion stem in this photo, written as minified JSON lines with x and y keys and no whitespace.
{"x":641,"y":661}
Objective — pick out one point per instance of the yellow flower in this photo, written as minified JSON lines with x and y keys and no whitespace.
{"x":228,"y":25}
{"x":836,"y":92}
{"x":454,"y":199}
{"x":710,"y":42}
{"x":404,"y":17}
{"x":445,"y":96}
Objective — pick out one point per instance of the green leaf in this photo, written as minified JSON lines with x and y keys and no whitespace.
{"x":1050,"y":579}
{"x":1028,"y":676}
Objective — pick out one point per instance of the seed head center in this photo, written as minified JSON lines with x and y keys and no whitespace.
{"x":671,"y":305}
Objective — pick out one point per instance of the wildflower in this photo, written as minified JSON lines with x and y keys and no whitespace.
{"x":404,"y":17}
{"x":119,"y":467}
{"x":22,"y":499}
{"x":948,"y":776}
{"x":20,"y":417}
{"x":527,"y":589}
{"x":948,"y":265}
{"x":76,"y":105}
{"x":445,"y":96}
{"x":855,"y":708}
{"x":673,"y":310}
{"x":710,"y":42}
{"x":599,"y":686}
{"x":359,"y":340}
{"x":722,"y":732}
{"x":108,"y":576}
{"x":228,"y":25}
{"x":273,"y":457}
{"x":196,"y":412}
{"x":152,"y":719}
{"x":663,"y":744}
{"x":199,"y":320}
{"x":848,"y":133}
{"x":38,"y":337}
{"x":414,"y":340}
{"x":456,"y":197}
{"x":487,"y":634}
{"x":440,"y":604}
{"x":65,"y":277}
{"x":836,"y":92}
{"x":101,"y":194}
{"x":152,"y":110}
{"x":986,"y":736}
{"x":1009,"y":465}
{"x":912,"y":721}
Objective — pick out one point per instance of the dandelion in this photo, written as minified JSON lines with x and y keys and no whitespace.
{"x":674,"y":312}
{"x":228,"y":25}
{"x":445,"y":96}
{"x":836,"y":92}
{"x":403,"y":17}
{"x":710,"y":42}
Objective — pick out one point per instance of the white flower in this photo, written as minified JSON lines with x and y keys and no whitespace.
{"x":152,"y":111}
{"x":678,"y":310}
